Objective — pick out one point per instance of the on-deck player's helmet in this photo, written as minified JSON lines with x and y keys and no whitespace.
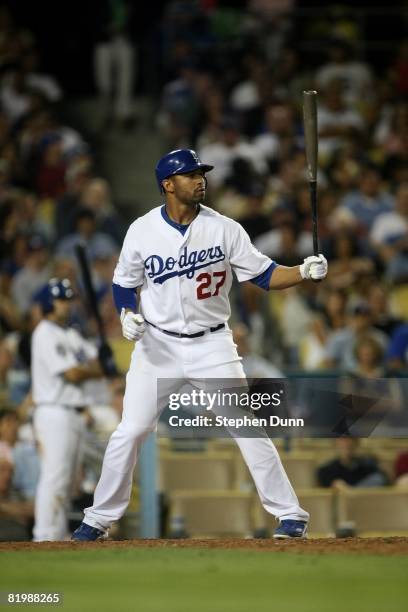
{"x":179,"y":161}
{"x":56,"y":289}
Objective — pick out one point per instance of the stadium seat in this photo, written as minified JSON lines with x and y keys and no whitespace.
{"x":196,"y":470}
{"x":320,"y":503}
{"x":386,"y":461}
{"x":399,"y":445}
{"x":300,"y":467}
{"x":374,"y":510}
{"x":221,"y":444}
{"x":211,"y":513}
{"x":312,"y":444}
{"x":384,"y":444}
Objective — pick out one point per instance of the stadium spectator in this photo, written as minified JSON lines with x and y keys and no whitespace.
{"x":330,"y":316}
{"x":50,"y":181}
{"x":230,"y":147}
{"x":369,"y":358}
{"x":10,"y":319}
{"x":389,"y":237}
{"x":343,"y":171}
{"x":86,"y":232}
{"x":21,"y":452}
{"x":15,"y":95}
{"x":77,"y":175}
{"x":115,"y":61}
{"x":340,"y":347}
{"x":348,"y":261}
{"x":368,"y":202}
{"x":278,"y":137}
{"x":398,"y":70}
{"x":285,"y":243}
{"x":213,"y":110}
{"x":295,"y":321}
{"x":34,"y":273}
{"x":382,"y":317}
{"x":246,"y":97}
{"x":335,"y":309}
{"x":390,"y":130}
{"x":342,"y":66}
{"x":255,"y":220}
{"x":373,"y":397}
{"x":46,"y":84}
{"x":6,"y":361}
{"x":181,"y":110}
{"x":401,"y":470}
{"x":96,"y":196}
{"x":350,"y":468}
{"x":254,"y":365}
{"x":338,"y":124}
{"x":397,"y":354}
{"x":16,"y":515}
{"x":19,"y":473}
{"x":14,"y":39}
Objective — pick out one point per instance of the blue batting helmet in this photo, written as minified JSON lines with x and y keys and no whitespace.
{"x":179,"y":161}
{"x":56,"y":289}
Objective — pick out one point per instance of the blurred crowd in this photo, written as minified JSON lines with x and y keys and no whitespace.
{"x":51,"y":198}
{"x":231,"y":87}
{"x":233,"y":83}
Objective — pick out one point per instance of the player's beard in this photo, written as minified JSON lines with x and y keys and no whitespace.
{"x":192,"y":200}
{"x":198,"y":197}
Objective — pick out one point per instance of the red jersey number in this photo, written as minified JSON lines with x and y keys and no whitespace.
{"x":206,"y":280}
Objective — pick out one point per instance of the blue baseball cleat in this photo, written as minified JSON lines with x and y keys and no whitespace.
{"x":290,"y":529}
{"x":86,"y":533}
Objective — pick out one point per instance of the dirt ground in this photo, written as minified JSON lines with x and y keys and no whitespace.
{"x":373,"y":546}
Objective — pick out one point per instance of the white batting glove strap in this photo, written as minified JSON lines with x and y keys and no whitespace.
{"x":133,"y":325}
{"x":314,"y":267}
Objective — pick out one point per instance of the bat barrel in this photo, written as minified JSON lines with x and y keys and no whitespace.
{"x":310,"y":126}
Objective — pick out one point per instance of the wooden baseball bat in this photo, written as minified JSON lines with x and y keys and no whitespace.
{"x":311,"y":146}
{"x":90,"y":290}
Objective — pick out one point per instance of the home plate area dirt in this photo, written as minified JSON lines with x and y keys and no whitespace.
{"x":367,"y":546}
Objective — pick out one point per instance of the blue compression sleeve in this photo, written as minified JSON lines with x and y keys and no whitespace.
{"x":263,"y":280}
{"x":124,"y":297}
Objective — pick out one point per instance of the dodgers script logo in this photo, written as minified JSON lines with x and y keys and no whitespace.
{"x":162,"y":269}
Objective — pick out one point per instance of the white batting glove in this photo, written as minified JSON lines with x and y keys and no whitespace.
{"x":133,"y":325}
{"x":314,"y":267}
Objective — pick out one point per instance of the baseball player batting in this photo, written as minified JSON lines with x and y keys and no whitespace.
{"x":182,"y":255}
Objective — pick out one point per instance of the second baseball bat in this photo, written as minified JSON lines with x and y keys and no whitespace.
{"x":90,"y":290}
{"x":311,"y":146}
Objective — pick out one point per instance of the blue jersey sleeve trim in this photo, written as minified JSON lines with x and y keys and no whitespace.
{"x":263,"y":280}
{"x":124,"y":297}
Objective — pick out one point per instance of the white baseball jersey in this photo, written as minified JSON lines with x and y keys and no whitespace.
{"x":54,"y":350}
{"x":185,"y":279}
{"x":185,"y":275}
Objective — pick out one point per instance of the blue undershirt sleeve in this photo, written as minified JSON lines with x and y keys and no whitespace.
{"x":124,"y":297}
{"x":263,"y":280}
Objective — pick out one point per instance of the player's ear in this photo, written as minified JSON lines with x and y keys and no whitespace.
{"x":168,"y":185}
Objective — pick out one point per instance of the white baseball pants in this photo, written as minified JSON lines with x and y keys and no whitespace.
{"x":158,"y":356}
{"x":59,"y":433}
